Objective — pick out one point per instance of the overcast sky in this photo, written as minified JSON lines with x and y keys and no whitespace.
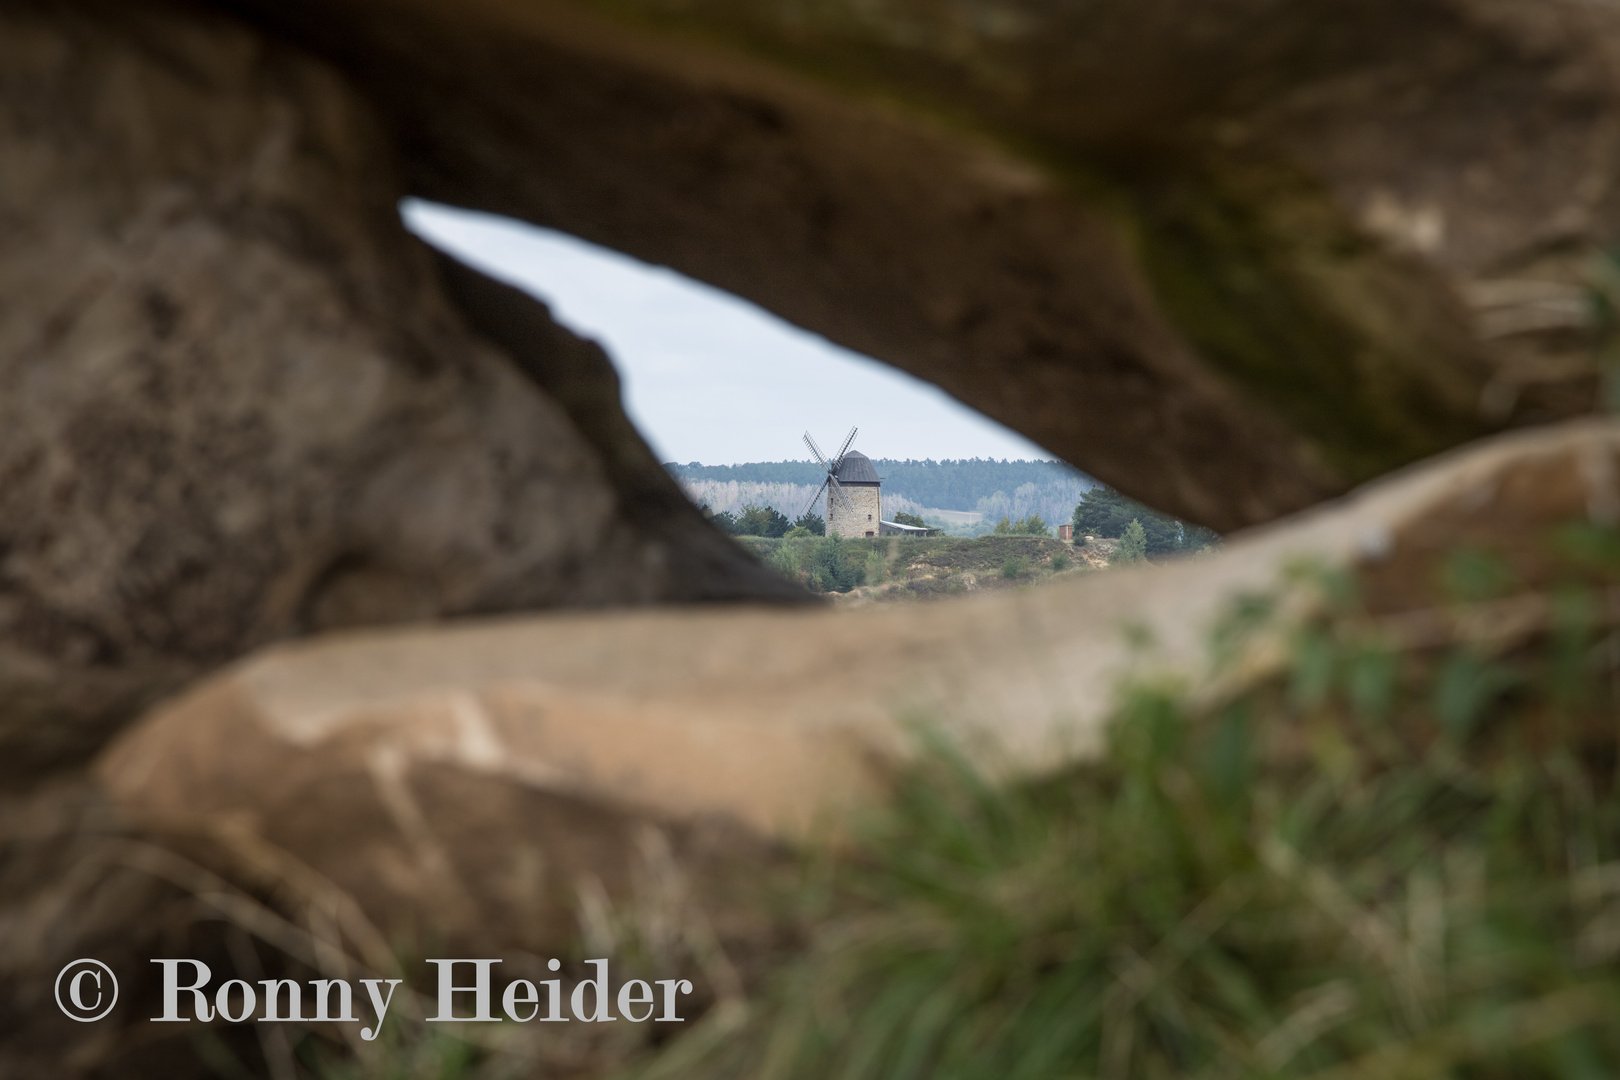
{"x":710,"y":377}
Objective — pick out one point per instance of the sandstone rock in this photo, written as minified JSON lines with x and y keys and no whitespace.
{"x":235,"y":405}
{"x":401,"y":764}
{"x":1231,"y":257}
{"x":1224,"y":261}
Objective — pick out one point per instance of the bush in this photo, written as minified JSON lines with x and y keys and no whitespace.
{"x":1029,"y":525}
{"x":1132,"y":545}
{"x":829,"y":569}
{"x":1060,"y":563}
{"x":1384,"y":861}
{"x":1102,"y":511}
{"x":877,"y":568}
{"x":754,"y":520}
{"x":1012,"y":568}
{"x":813,"y":523}
{"x":785,"y":561}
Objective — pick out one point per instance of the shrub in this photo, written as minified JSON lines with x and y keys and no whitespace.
{"x":1060,"y":562}
{"x":829,"y":569}
{"x":877,"y":568}
{"x":1102,"y":511}
{"x":1387,"y":860}
{"x":1012,"y":568}
{"x":754,"y":520}
{"x":1132,"y":544}
{"x":785,"y":561}
{"x":1029,"y":525}
{"x":814,"y":523}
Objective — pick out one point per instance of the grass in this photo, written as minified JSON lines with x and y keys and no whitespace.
{"x":922,"y":566}
{"x":1397,"y":856}
{"x":1392,"y":853}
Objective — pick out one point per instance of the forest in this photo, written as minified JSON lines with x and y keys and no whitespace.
{"x":952,"y":484}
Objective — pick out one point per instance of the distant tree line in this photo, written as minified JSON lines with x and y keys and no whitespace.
{"x":953,"y":484}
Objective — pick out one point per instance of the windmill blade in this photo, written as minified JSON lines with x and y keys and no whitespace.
{"x":838,"y":489}
{"x":816,"y":450}
{"x":847,"y":443}
{"x":815,"y":498}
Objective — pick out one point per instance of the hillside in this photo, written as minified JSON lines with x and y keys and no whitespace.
{"x":894,"y":569}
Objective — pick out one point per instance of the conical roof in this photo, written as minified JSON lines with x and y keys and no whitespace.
{"x":857,"y":468}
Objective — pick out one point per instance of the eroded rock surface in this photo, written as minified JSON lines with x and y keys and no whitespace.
{"x":235,"y":405}
{"x":1231,"y":257}
{"x":389,"y":760}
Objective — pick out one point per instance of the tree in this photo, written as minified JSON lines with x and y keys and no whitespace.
{"x":814,"y":522}
{"x":1133,"y":545}
{"x":785,"y":561}
{"x":1029,"y":525}
{"x":910,"y":519}
{"x":761,"y":521}
{"x":1102,"y":511}
{"x":830,"y":570}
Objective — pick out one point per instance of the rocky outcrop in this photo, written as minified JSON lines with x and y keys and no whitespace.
{"x":1231,"y":257}
{"x":1232,"y":263}
{"x":392,"y":762}
{"x":235,"y":405}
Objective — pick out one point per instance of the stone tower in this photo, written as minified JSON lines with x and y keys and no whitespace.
{"x":862,"y":487}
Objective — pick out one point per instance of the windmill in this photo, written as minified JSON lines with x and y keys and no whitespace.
{"x":830,"y":484}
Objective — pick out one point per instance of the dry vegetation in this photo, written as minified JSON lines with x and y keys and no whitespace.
{"x":897,"y":569}
{"x":1389,"y":848}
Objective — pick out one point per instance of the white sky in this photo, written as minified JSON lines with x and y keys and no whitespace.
{"x":708,"y":376}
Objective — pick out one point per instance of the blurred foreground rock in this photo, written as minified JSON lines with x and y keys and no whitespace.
{"x":634,"y":784}
{"x":427,"y":772}
{"x":1230,"y":256}
{"x":235,"y":403}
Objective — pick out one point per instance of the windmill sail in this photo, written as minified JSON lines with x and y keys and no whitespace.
{"x":838,"y":489}
{"x":816,"y":497}
{"x":848,"y":442}
{"x":830,"y":484}
{"x":816,"y":450}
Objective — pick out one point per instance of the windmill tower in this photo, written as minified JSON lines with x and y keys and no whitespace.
{"x":854,"y":491}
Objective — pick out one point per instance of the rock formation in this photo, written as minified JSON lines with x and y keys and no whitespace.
{"x":236,"y":406}
{"x":1232,"y":261}
{"x":1234,"y":257}
{"x":770,"y":722}
{"x":1230,"y":257}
